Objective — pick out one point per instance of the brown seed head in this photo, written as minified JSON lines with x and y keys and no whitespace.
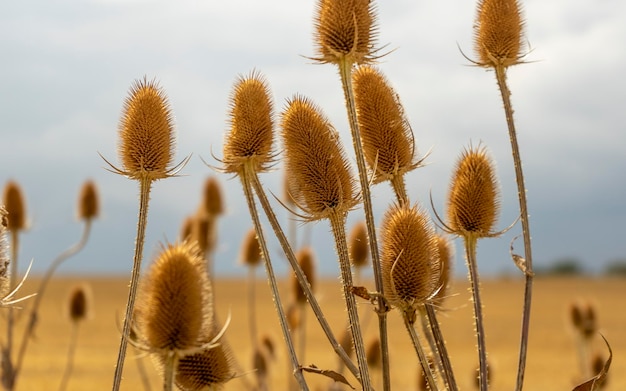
{"x":202,"y":232}
{"x":473,"y":200}
{"x":251,"y":250}
{"x":15,"y":205}
{"x":597,"y":365}
{"x":358,"y":245}
{"x":589,"y":325}
{"x":88,"y":201}
{"x":306,"y":260}
{"x":410,"y":264}
{"x":445,"y":252}
{"x":267,"y":343}
{"x":146,"y":132}
{"x":317,"y":168}
{"x":388,"y":143}
{"x":212,"y":200}
{"x":173,"y":305}
{"x":373,"y":353}
{"x":260,"y":364}
{"x":251,"y":126}
{"x":79,"y":303}
{"x":345,"y":30}
{"x":499,"y":33}
{"x":209,"y":369}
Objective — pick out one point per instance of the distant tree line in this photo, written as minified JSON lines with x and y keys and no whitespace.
{"x":571,"y":266}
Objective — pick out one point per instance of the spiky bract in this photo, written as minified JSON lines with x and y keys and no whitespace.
{"x":15,"y":206}
{"x":306,"y":260}
{"x":499,"y":33}
{"x":88,"y":201}
{"x":319,"y":173}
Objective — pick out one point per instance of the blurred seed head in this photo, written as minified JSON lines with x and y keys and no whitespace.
{"x":146,"y":132}
{"x":597,"y":365}
{"x":293,"y":316}
{"x":358,"y":245}
{"x":15,"y":205}
{"x":186,"y":229}
{"x":584,"y":318}
{"x":251,"y":136}
{"x":317,"y":168}
{"x":203,"y":233}
{"x":373,"y":354}
{"x":79,"y":303}
{"x":346,"y":341}
{"x":250,"y":249}
{"x":267,"y":344}
{"x":306,"y":260}
{"x":260,"y":364}
{"x":345,"y":30}
{"x":499,"y":33}
{"x":409,"y":260}
{"x":212,"y":199}
{"x":88,"y":201}
{"x":208,"y":369}
{"x":388,"y":143}
{"x":474,"y":197}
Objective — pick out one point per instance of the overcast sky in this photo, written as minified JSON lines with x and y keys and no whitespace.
{"x":67,"y":67}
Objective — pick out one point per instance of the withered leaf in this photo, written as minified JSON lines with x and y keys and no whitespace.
{"x":590,"y":385}
{"x":338,"y":377}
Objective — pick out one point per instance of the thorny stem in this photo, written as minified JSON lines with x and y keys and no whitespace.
{"x":430,"y":339}
{"x":521,"y":192}
{"x":345,"y":71}
{"x":470,"y":253}
{"x":304,"y":284}
{"x":70,"y":357}
{"x":399,"y":188}
{"x":432,"y":385}
{"x":444,"y":358}
{"x":144,"y":198}
{"x":337,"y":223}
{"x":245,"y":177}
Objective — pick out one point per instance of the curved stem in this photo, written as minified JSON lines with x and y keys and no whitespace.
{"x":470,"y":252}
{"x":521,"y":191}
{"x":70,"y":357}
{"x":444,"y":358}
{"x":144,"y":198}
{"x":297,"y":371}
{"x":432,"y":385}
{"x":337,"y":223}
{"x":345,"y":71}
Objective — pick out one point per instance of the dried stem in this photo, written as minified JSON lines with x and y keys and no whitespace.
{"x":345,"y":71}
{"x":168,"y":370}
{"x":432,"y":385}
{"x":69,"y":366}
{"x":444,"y":358}
{"x":521,"y":192}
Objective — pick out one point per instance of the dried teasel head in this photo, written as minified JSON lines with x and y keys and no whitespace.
{"x":212,"y":199}
{"x":146,"y":133}
{"x":174,"y":307}
{"x":345,"y":30}
{"x":260,"y":364}
{"x":584,"y":319}
{"x":203,"y":232}
{"x":4,"y":253}
{"x":306,"y":260}
{"x":409,"y":260}
{"x":250,"y":139}
{"x":15,"y":205}
{"x":473,"y":199}
{"x":358,"y":245}
{"x":445,"y":252}
{"x":499,"y":33}
{"x":319,"y":173}
{"x":388,"y":143}
{"x":88,"y":201}
{"x":79,"y":303}
{"x":251,"y":249}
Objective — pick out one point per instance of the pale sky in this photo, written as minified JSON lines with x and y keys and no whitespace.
{"x":67,"y":66}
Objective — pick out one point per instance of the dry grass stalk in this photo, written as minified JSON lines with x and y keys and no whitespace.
{"x":88,"y":201}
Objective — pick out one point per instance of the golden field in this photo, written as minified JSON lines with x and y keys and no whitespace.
{"x":552,"y":360}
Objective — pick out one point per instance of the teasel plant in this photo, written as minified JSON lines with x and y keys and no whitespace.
{"x":88,"y":209}
{"x":499,"y":43}
{"x":323,"y":188}
{"x":146,"y":150}
{"x":345,"y":33}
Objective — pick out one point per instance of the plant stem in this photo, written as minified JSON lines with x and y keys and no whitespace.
{"x":444,"y":358}
{"x":432,"y":385}
{"x":168,"y":370}
{"x":399,"y":188}
{"x":144,"y":198}
{"x":521,"y":191}
{"x":245,"y":177}
{"x":337,"y":223}
{"x":470,"y":253}
{"x":70,"y":357}
{"x":345,"y":72}
{"x":304,"y":284}
{"x":9,"y":373}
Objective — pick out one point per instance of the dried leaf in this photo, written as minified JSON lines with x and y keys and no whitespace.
{"x":337,"y":377}
{"x":519,"y":261}
{"x":590,"y":385}
{"x":362,"y":292}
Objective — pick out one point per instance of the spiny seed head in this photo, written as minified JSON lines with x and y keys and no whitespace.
{"x":388,"y":143}
{"x":373,"y":353}
{"x":358,"y":245}
{"x":499,"y":33}
{"x":410,"y":264}
{"x":251,"y":136}
{"x":79,"y":303}
{"x":445,"y":252}
{"x":250,"y":249}
{"x":146,"y":132}
{"x":306,"y":260}
{"x":209,"y":369}
{"x":345,"y":30}
{"x":173,"y":304}
{"x":15,"y":205}
{"x":88,"y":201}
{"x":317,"y":168}
{"x":212,"y":200}
{"x":4,"y":253}
{"x":473,"y":200}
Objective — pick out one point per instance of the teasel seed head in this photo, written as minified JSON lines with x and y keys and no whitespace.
{"x":409,"y":260}
{"x":15,"y":206}
{"x":373,"y":353}
{"x":174,"y":305}
{"x":79,"y":303}
{"x":88,"y":201}
{"x":251,"y":136}
{"x":251,"y":249}
{"x":499,"y":33}
{"x":146,"y":132}
{"x":212,"y":199}
{"x":203,"y":232}
{"x":186,"y":228}
{"x":358,"y":245}
{"x":260,"y":364}
{"x":387,"y":137}
{"x":267,"y":343}
{"x":317,"y":168}
{"x":473,"y":200}
{"x":445,"y":251}
{"x":345,"y":30}
{"x":4,"y":253}
{"x":306,"y":260}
